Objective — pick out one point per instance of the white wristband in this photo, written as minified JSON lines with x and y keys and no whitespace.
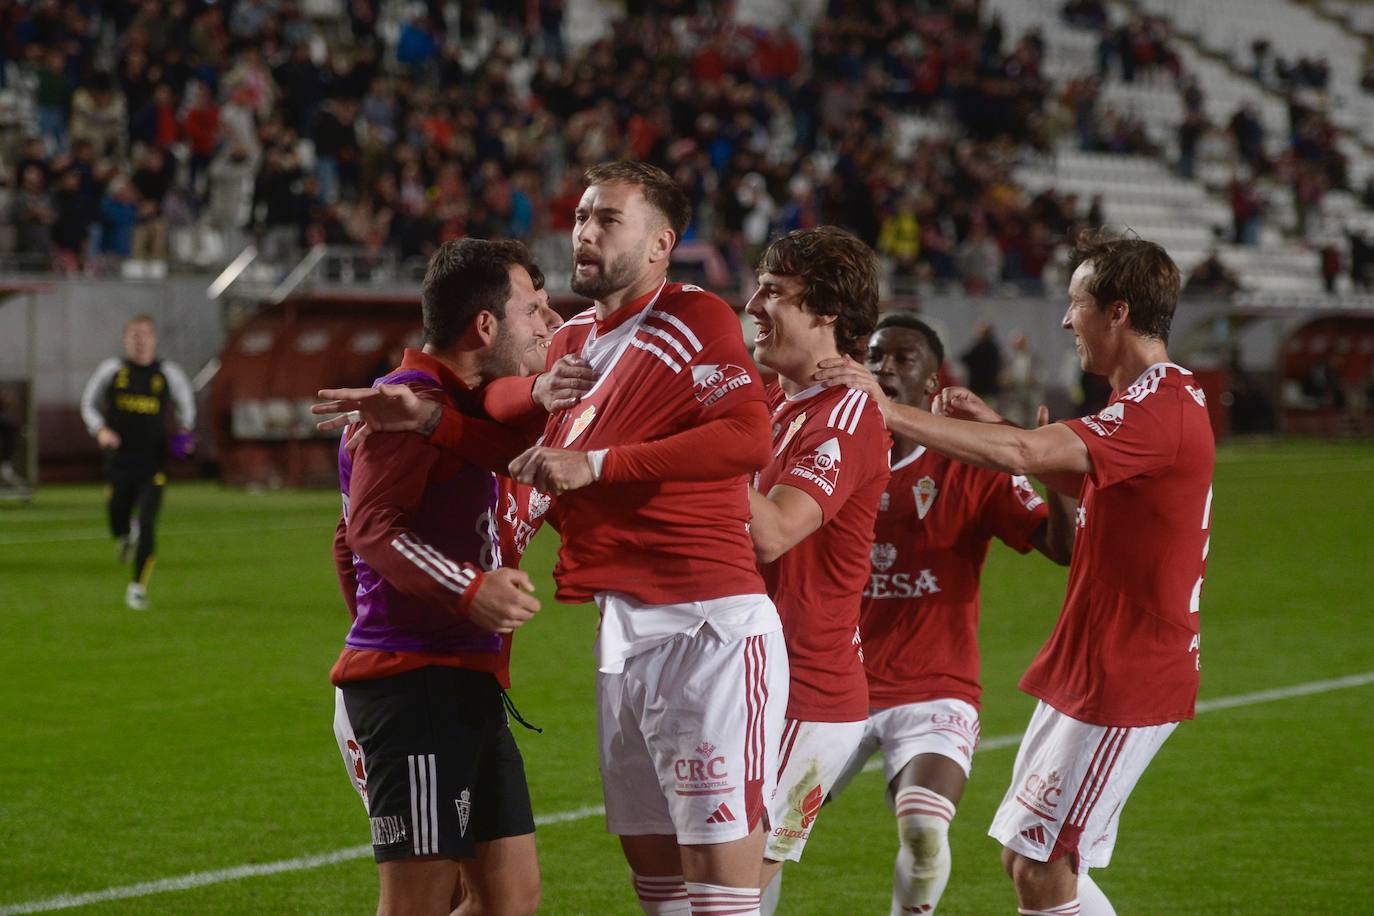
{"x":596,"y":459}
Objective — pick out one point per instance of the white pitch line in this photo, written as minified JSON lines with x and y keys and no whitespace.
{"x":304,"y":863}
{"x":101,"y":534}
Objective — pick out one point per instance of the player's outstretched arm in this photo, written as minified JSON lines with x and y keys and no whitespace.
{"x":1003,"y":448}
{"x":386,"y":408}
{"x":504,"y":600}
{"x":781,"y":520}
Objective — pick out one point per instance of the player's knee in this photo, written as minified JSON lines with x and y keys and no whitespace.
{"x":926,"y":840}
{"x":1029,"y":876}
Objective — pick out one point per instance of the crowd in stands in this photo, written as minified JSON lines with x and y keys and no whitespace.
{"x":476,"y":118}
{"x":1308,"y":165}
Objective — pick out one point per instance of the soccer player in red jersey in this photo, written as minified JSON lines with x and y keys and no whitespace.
{"x":813,"y":511}
{"x":419,"y":715}
{"x":920,"y":611}
{"x":1121,"y":668}
{"x":650,"y":469}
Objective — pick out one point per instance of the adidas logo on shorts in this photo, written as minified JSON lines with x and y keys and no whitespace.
{"x":1035,"y":834}
{"x":721,"y":815}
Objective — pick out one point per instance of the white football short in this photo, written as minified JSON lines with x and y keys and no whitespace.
{"x":811,"y":757}
{"x":689,"y":733}
{"x":947,"y":727}
{"x":1068,"y":786}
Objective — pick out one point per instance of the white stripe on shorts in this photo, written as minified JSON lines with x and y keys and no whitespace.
{"x":424,"y":807}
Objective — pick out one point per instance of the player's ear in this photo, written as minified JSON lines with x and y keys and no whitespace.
{"x":1119,"y":311}
{"x":484,"y":328}
{"x":662,"y":244}
{"x":932,"y":383}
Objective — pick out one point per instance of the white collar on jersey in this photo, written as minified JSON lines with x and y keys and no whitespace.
{"x":807,"y":392}
{"x":1157,"y":367}
{"x":920,"y":450}
{"x":604,"y":351}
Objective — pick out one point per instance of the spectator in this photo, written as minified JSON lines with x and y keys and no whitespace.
{"x":152,"y":179}
{"x":980,"y":261}
{"x":279,"y":205}
{"x":118,"y":217}
{"x":983,"y":363}
{"x":100,"y":116}
{"x":53,"y":97}
{"x":157,"y":123}
{"x":1190,"y":131}
{"x":202,"y":128}
{"x":900,"y":236}
{"x":336,"y":147}
{"x":1212,"y":278}
{"x":1021,"y":382}
{"x":1247,"y":209}
{"x":33,"y":215}
{"x":1331,"y":266}
{"x":71,"y":231}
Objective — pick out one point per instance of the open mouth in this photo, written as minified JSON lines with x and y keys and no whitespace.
{"x":762,"y":331}
{"x":583,"y":262}
{"x":888,"y":390}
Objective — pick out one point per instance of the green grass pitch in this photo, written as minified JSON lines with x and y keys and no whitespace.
{"x":196,"y":736}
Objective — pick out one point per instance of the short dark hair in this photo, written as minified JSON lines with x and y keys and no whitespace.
{"x":1132,"y":270}
{"x":905,"y":318}
{"x":465,"y":277}
{"x":662,"y":193}
{"x":839,"y":277}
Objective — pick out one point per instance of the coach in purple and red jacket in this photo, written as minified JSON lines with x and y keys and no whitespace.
{"x":419,"y":713}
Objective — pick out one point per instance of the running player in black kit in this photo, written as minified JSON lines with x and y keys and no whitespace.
{"x":124,"y":406}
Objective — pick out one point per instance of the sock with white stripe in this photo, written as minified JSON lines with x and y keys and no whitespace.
{"x":661,"y":895}
{"x":718,"y":900}
{"x":1063,"y":909}
{"x":1091,"y":900}
{"x":770,"y":895}
{"x":923,"y":859}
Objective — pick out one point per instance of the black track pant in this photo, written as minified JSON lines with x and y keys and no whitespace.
{"x":137,"y":487}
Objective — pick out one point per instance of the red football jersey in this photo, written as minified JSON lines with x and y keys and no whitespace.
{"x":665,"y":363}
{"x":920,"y":609}
{"x":831,"y":444}
{"x":1125,"y":649}
{"x":522,"y":512}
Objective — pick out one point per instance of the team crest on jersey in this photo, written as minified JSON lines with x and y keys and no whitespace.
{"x":711,"y":382}
{"x":584,"y":419}
{"x":821,"y":467}
{"x":925,"y":492}
{"x":464,"y":805}
{"x":1025,"y":493}
{"x":791,"y":431}
{"x":539,"y":504}
{"x":1107,"y":422}
{"x":883,"y":556}
{"x":157,"y":384}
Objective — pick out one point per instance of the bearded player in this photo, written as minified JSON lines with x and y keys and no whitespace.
{"x":920,"y":611}
{"x":813,"y":513}
{"x":1120,"y":670}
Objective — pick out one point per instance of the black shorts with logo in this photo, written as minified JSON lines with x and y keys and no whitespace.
{"x":439,"y":765}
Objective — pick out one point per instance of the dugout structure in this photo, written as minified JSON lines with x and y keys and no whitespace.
{"x":18,"y":406}
{"x":274,"y":363}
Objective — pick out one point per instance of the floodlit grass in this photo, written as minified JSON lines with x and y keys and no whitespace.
{"x":196,"y":736}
